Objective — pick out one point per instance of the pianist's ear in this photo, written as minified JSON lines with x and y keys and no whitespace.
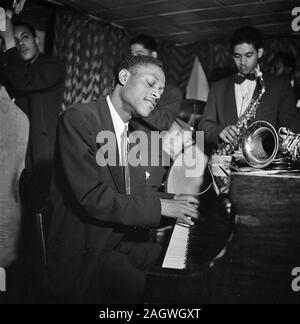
{"x":123,"y":76}
{"x":154,"y":54}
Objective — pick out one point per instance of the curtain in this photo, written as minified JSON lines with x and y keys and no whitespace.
{"x":178,"y":63}
{"x":90,"y":50}
{"x":216,"y":60}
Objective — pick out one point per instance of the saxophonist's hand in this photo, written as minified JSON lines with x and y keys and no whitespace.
{"x":228,"y":134}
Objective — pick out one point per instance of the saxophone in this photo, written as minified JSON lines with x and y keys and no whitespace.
{"x":246,"y":118}
{"x":289,"y":143}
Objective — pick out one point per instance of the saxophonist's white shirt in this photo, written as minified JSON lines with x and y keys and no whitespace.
{"x":243,"y":95}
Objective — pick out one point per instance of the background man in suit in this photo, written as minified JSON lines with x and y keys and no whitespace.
{"x":163,"y":116}
{"x":95,"y":251}
{"x":36,"y":81}
{"x":229,"y":97}
{"x":284,"y":64}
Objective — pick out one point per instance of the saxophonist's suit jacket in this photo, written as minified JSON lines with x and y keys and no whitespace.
{"x":277,"y":106}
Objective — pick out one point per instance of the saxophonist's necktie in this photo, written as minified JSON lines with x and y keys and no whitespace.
{"x":124,"y":159}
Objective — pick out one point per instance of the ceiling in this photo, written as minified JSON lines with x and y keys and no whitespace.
{"x":186,"y":21}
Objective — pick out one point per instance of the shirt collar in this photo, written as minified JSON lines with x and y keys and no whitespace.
{"x":118,"y":123}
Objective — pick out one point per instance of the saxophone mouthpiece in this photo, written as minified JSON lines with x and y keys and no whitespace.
{"x":258,"y":72}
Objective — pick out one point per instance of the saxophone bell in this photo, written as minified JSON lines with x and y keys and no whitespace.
{"x":260,"y":144}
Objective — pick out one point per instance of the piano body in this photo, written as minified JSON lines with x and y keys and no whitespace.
{"x":259,"y":241}
{"x":190,"y":252}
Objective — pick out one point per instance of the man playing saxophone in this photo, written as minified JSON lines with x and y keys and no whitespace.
{"x":249,"y":95}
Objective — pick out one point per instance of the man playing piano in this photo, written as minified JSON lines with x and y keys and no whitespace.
{"x":95,"y":250}
{"x":162,"y":117}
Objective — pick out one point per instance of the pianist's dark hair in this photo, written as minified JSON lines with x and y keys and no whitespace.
{"x":249,"y":35}
{"x":25,"y":24}
{"x":132,"y":61}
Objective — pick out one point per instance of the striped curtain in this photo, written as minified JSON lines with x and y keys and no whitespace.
{"x":178,"y":63}
{"x":215,"y":58}
{"x":90,"y":50}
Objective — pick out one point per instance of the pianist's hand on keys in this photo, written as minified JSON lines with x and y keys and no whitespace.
{"x":183,"y":207}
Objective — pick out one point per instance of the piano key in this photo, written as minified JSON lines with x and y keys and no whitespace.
{"x":175,"y":257}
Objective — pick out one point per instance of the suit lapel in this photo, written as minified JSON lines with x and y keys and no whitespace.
{"x":255,"y":93}
{"x":230,"y":102}
{"x":107,"y":125}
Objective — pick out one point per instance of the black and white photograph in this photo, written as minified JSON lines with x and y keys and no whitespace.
{"x":149,"y":154}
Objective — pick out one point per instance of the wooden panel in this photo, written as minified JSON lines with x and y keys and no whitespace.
{"x":235,"y":2}
{"x":282,"y":5}
{"x":226,"y":15}
{"x":195,"y":4}
{"x":265,"y":19}
{"x":184,"y":17}
{"x":87,"y":6}
{"x":146,"y":9}
{"x":272,"y":199}
{"x":218,"y":13}
{"x":251,"y":9}
{"x":266,"y":246}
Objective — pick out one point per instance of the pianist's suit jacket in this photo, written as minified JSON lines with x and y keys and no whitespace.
{"x":277,"y":106}
{"x":91,"y":210}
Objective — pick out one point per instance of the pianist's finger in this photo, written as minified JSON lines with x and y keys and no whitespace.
{"x":178,"y":208}
{"x":186,"y":220}
{"x":189,"y":198}
{"x":189,"y":210}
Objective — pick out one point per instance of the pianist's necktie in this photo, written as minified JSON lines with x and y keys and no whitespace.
{"x":124,"y":158}
{"x":240,"y":78}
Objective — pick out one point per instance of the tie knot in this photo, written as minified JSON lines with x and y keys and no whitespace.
{"x":240,"y":78}
{"x":125,"y":131}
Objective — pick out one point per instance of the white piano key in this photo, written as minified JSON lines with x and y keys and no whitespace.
{"x":175,"y":256}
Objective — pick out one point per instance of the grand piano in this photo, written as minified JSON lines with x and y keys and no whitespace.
{"x":243,"y":251}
